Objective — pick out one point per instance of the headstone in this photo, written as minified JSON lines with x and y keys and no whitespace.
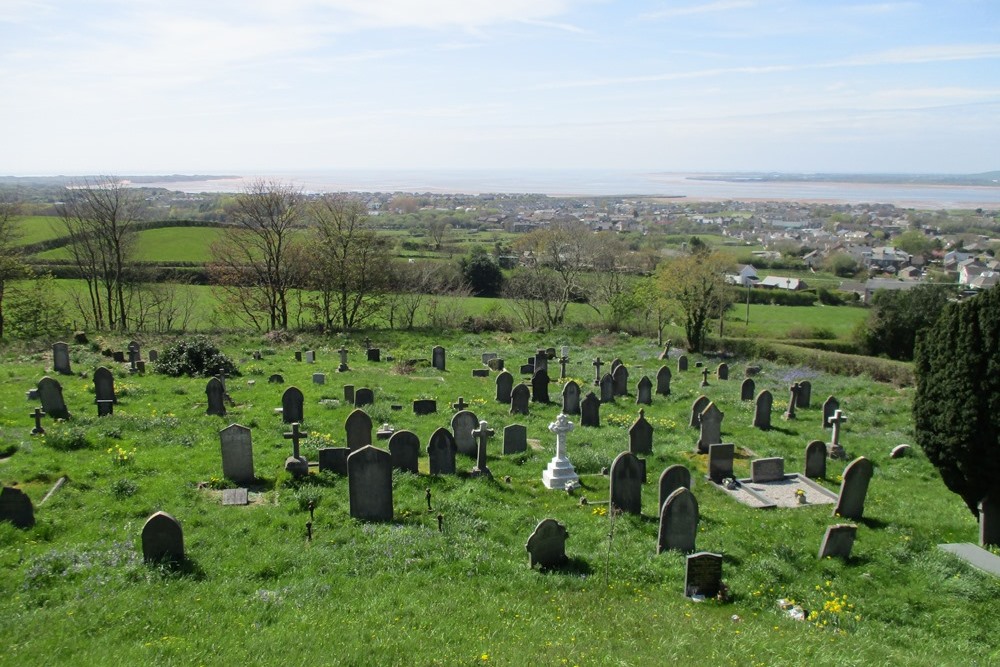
{"x":711,"y":427}
{"x":626,"y":483}
{"x":275,"y":378}
{"x":989,"y":522}
{"x":60,"y":359}
{"x":619,"y":379}
{"x":133,"y":349}
{"x":697,"y":408}
{"x":900,"y":451}
{"x":140,"y":366}
{"x":298,"y":355}
{"x":480,"y":372}
{"x":640,"y":435}
{"x":854,"y":488}
{"x":162,"y":539}
{"x":496,"y":364}
{"x":607,"y":389}
{"x":682,"y":363}
{"x":615,"y":363}
{"x":235,"y":497}
{"x":358,"y":430}
{"x":590,"y":411}
{"x":767,"y":470}
{"x":349,"y":394}
{"x":104,"y":385}
{"x":237,"y":453}
{"x":793,"y":401}
{"x":560,"y":474}
{"x":334,"y":459}
{"x":644,"y":391}
{"x":342,"y":367}
{"x":296,"y":464}
{"x":505,"y":384}
{"x":838,"y":541}
{"x":547,"y":544}
{"x":424,"y":406}
{"x":571,"y":398}
{"x":703,"y":575}
{"x":527,"y":369}
{"x":678,"y":522}
{"x":216,"y":395}
{"x":374,"y":354}
{"x":720,"y":461}
{"x":830,"y":405}
{"x":482,"y":436}
{"x":722,"y":372}
{"x":540,"y":386}
{"x":363,"y":396}
{"x":462,"y":426}
{"x":154,"y":356}
{"x":369,"y":483}
{"x":597,"y":371}
{"x":540,"y":361}
{"x":50,"y":394}
{"x":835,"y":449}
{"x":310,"y":356}
{"x":663,"y":377}
{"x":404,"y":448}
{"x":804,"y":398}
{"x":515,"y":439}
{"x":672,"y":478}
{"x":16,"y":507}
{"x":762,"y":410}
{"x":816,"y":460}
{"x":441,"y":452}
{"x":519,"y":399}
{"x":291,"y":406}
{"x":118,"y":357}
{"x":747,"y":389}
{"x":438,"y":358}
{"x":257,"y":355}
{"x":319,"y":378}
{"x":704,"y":377}
{"x":487,"y":357}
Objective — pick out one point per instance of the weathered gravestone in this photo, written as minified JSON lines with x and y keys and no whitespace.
{"x":682,"y":363}
{"x":235,"y":497}
{"x":291,"y":405}
{"x":747,"y":389}
{"x":678,"y":522}
{"x":438,"y":357}
{"x":358,"y":430}
{"x":767,"y":470}
{"x":374,"y":354}
{"x":835,"y":449}
{"x":215,"y":392}
{"x":803,"y":398}
{"x":369,"y":483}
{"x":51,"y":396}
{"x":627,"y":472}
{"x":619,"y":379}
{"x":519,"y":399}
{"x":16,"y":507}
{"x":607,"y":387}
{"x":487,"y":357}
{"x":441,"y":450}
{"x":546,"y":546}
{"x":349,"y":394}
{"x":640,"y":435}
{"x":663,"y":377}
{"x":711,"y":427}
{"x":703,"y":575}
{"x":762,"y":410}
{"x":154,"y":356}
{"x":334,"y":459}
{"x":134,"y":351}
{"x":854,"y":488}
{"x":424,"y":406}
{"x":462,"y":426}
{"x":571,"y":398}
{"x":298,"y":355}
{"x":793,"y":402}
{"x":505,"y":384}
{"x":838,"y":541}
{"x":815,"y":460}
{"x":162,"y":539}
{"x":480,"y":372}
{"x":515,"y":439}
{"x":237,"y":453}
{"x":540,"y":361}
{"x":540,"y":386}
{"x":104,"y":385}
{"x":404,"y":448}
{"x":590,"y":411}
{"x":672,"y":478}
{"x":722,"y":372}
{"x":310,"y":356}
{"x":615,"y":363}
{"x":60,"y":359}
{"x":830,"y":406}
{"x":118,"y":357}
{"x":720,"y":461}
{"x":319,"y":378}
{"x":697,"y":408}
{"x":275,"y":378}
{"x":363,"y":396}
{"x":644,"y":391}
{"x":296,"y":464}
{"x":527,"y":369}
{"x":495,"y":364}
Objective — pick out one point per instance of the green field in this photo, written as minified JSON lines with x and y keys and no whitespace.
{"x":768,"y":321}
{"x":35,"y":228}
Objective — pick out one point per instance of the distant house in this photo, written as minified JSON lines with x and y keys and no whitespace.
{"x":745,"y":275}
{"x":876,"y":284}
{"x":909,"y":273}
{"x":780,"y":282}
{"x":886,"y":258}
{"x":969,"y":270}
{"x":985,"y":280}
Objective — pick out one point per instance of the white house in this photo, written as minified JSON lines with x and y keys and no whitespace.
{"x":745,"y":275}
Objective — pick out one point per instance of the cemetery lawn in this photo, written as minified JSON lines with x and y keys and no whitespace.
{"x":253,"y":590}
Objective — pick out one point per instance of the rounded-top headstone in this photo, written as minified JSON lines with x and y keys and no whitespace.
{"x":162,"y":539}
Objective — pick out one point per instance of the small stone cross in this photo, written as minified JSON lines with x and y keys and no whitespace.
{"x":483,"y":434}
{"x":343,"y":360}
{"x":37,"y":414}
{"x":461,"y":405}
{"x":838,"y":418}
{"x":295,"y":435}
{"x":563,"y":360}
{"x":704,"y":377}
{"x":792,"y":400}
{"x":368,"y":343}
{"x":597,"y":366}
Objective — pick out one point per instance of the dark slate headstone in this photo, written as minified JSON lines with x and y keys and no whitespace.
{"x":369,"y":484}
{"x":505,"y":384}
{"x":162,"y":539}
{"x":349,"y":394}
{"x":619,"y":379}
{"x":541,"y":361}
{"x":154,"y":356}
{"x":495,"y":364}
{"x":838,"y":541}
{"x":334,"y":459}
{"x":276,"y":378}
{"x":237,"y":453}
{"x":441,"y":450}
{"x":720,"y":461}
{"x":480,"y":372}
{"x":424,"y":406}
{"x":216,"y":395}
{"x":16,"y":507}
{"x":697,"y":408}
{"x":571,"y":398}
{"x":590,"y":411}
{"x":989,"y":522}
{"x":711,"y":427}
{"x":527,"y":369}
{"x":722,"y":372}
{"x":358,"y":430}
{"x":816,"y":460}
{"x":438,"y":358}
{"x":640,"y":435}
{"x":682,"y":362}
{"x":607,"y":387}
{"x":520,"y":397}
{"x":663,"y":377}
{"x":644,"y":391}
{"x":60,"y":359}
{"x":104,"y":385}
{"x":547,"y":544}
{"x":540,"y":387}
{"x":404,"y":448}
{"x":515,"y":439}
{"x":374,"y":354}
{"x":615,"y":363}
{"x":291,"y":405}
{"x":854,"y":488}
{"x":830,"y":406}
{"x":627,"y":473}
{"x":118,"y":357}
{"x":762,"y":410}
{"x":703,"y":575}
{"x":298,"y":355}
{"x":462,"y":426}
{"x":804,"y":397}
{"x":767,"y":470}
{"x":51,"y":396}
{"x":747,"y":389}
{"x":672,"y":478}
{"x":319,"y":378}
{"x":363,"y":396}
{"x":487,"y":357}
{"x":678,"y":522}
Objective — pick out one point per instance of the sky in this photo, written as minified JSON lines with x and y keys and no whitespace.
{"x":235,"y":86}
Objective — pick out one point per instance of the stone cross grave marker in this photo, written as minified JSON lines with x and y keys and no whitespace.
{"x":438,"y":358}
{"x":663,"y":377}
{"x":672,"y":478}
{"x":342,"y":367}
{"x":515,"y":439}
{"x":704,"y":377}
{"x":216,"y":395}
{"x":37,"y":414}
{"x":762,"y":410}
{"x":590,"y":411}
{"x":505,"y":384}
{"x":404,"y":449}
{"x":597,"y":371}
{"x":520,"y":396}
{"x":838,"y":541}
{"x":560,"y":471}
{"x":711,"y":427}
{"x":237,"y":454}
{"x":854,"y":488}
{"x":836,"y":450}
{"x":703,"y":574}
{"x":815,"y":460}
{"x":296,"y":464}
{"x":369,"y":482}
{"x":462,"y":425}
{"x":292,"y":402}
{"x":678,"y":522}
{"x":793,"y":399}
{"x":459,"y":405}
{"x":640,"y":435}
{"x":60,"y":359}
{"x":571,"y":398}
{"x":162,"y":539}
{"x":441,"y":450}
{"x":358,"y":430}
{"x":482,"y":435}
{"x":626,"y":483}
{"x":16,"y":507}
{"x":747,"y":389}
{"x":546,"y":546}
{"x":563,"y":361}
{"x":51,"y":396}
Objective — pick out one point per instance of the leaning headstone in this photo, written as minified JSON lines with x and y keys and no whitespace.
{"x":424,"y":406}
{"x":607,"y":387}
{"x":619,"y":378}
{"x":804,"y":398}
{"x":678,"y":522}
{"x":720,"y":461}
{"x":682,"y":362}
{"x":462,"y":426}
{"x":697,"y":408}
{"x":363,"y":396}
{"x":404,"y":448}
{"x":838,"y":541}
{"x":441,"y":452}
{"x":722,"y":372}
{"x":515,"y":439}
{"x":547,"y":544}
{"x":334,"y":459}
{"x":663,"y":377}
{"x":626,"y":483}
{"x":590,"y":411}
{"x":711,"y":427}
{"x":60,"y":359}
{"x":762,"y":410}
{"x":771,"y":469}
{"x":571,"y":398}
{"x":640,"y":435}
{"x":989,"y":522}
{"x":104,"y":385}
{"x":672,"y":478}
{"x":237,"y":453}
{"x":816,"y":460}
{"x":16,"y":507}
{"x":358,"y":430}
{"x":747,"y":389}
{"x":216,"y":395}
{"x":50,"y":394}
{"x":900,"y":451}
{"x":291,"y":406}
{"x":830,"y":406}
{"x":438,"y":357}
{"x":162,"y":539}
{"x":505,"y":384}
{"x":644,"y":391}
{"x":519,"y":399}
{"x":369,"y":484}
{"x":854,"y":488}
{"x":793,"y":402}
{"x":540,"y":386}
{"x":703,"y":575}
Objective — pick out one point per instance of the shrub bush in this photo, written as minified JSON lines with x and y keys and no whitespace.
{"x":195,"y":356}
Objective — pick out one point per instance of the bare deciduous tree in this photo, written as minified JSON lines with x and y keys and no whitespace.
{"x":11,"y":263}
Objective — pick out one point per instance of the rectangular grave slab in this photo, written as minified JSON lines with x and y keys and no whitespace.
{"x":235,"y":497}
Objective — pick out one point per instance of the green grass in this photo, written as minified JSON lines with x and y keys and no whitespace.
{"x":255,"y":591}
{"x":768,"y":321}
{"x":37,"y":228}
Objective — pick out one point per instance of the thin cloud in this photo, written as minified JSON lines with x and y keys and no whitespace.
{"x":694,"y":10}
